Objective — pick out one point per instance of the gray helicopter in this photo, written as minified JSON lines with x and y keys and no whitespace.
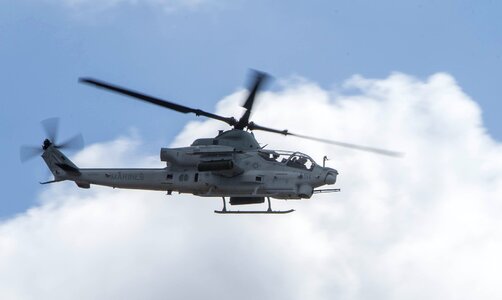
{"x":231,"y":165}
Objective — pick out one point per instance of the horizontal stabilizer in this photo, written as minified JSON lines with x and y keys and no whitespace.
{"x":50,"y":181}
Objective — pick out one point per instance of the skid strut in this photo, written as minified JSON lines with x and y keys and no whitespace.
{"x":268,"y":211}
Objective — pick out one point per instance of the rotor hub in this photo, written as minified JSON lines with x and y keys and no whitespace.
{"x":46,"y":144}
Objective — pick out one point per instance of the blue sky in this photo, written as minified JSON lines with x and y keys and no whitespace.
{"x":196,"y":55}
{"x":425,"y":226}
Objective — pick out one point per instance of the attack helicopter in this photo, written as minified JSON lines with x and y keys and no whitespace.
{"x":230,"y":165}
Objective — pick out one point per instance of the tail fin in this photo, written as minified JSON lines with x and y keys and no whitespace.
{"x":61,"y":166}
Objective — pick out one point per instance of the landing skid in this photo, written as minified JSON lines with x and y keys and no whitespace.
{"x":236,"y":212}
{"x":268,"y":211}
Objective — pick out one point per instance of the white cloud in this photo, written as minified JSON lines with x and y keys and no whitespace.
{"x":424,"y":226}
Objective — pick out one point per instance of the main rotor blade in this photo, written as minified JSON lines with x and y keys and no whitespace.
{"x":76,"y":142}
{"x":28,"y":152}
{"x":258,"y":79}
{"x":51,"y":127}
{"x":253,"y":126}
{"x":156,"y":101}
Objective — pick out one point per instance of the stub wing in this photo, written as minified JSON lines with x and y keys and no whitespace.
{"x":323,"y":191}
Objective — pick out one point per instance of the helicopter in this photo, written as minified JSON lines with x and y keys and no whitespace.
{"x":230,"y":165}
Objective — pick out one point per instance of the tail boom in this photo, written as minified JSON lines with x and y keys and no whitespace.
{"x":64,"y":169}
{"x":143,"y":179}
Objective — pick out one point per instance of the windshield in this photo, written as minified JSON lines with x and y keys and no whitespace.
{"x":291,"y":159}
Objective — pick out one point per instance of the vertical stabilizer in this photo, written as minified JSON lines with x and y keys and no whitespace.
{"x":61,"y":166}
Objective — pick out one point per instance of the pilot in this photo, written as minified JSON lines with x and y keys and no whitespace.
{"x":301,"y":161}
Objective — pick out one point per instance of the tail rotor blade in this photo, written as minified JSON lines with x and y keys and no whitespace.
{"x":76,"y":142}
{"x":51,"y":127}
{"x":28,"y":152}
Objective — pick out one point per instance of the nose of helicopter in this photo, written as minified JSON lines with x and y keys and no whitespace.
{"x":331,"y":177}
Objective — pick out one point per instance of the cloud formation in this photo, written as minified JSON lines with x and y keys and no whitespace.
{"x":424,"y":226}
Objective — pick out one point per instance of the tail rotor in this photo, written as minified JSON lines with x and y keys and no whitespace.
{"x":51,"y":128}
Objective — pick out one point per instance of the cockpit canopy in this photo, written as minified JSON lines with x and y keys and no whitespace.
{"x":291,"y":159}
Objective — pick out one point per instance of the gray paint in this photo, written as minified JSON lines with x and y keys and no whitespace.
{"x":253,"y":172}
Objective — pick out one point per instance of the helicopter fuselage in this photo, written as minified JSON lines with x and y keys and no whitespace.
{"x":230,"y":165}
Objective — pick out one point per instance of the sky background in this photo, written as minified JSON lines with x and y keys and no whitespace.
{"x":415,"y":76}
{"x":196,"y":52}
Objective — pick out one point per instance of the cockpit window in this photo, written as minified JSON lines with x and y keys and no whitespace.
{"x":292,"y":159}
{"x":300,"y":161}
{"x":269,"y":156}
